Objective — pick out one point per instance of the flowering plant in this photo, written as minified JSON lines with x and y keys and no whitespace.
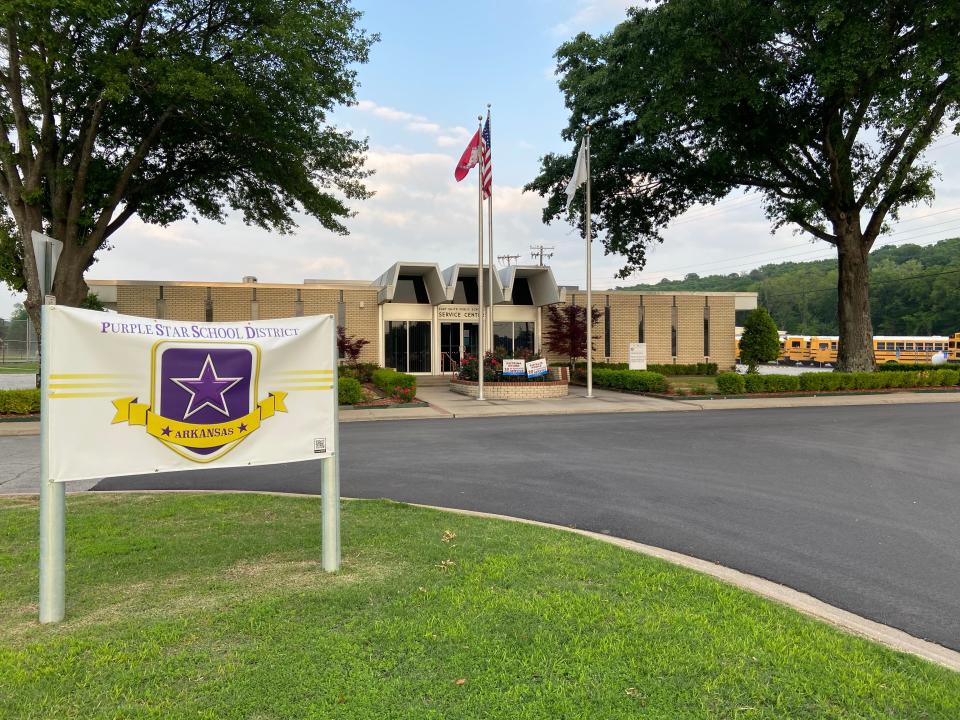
{"x":405,"y":394}
{"x":468,"y":367}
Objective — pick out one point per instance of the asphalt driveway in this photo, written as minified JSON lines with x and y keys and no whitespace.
{"x":858,"y":506}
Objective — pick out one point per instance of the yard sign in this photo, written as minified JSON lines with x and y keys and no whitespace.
{"x":126,"y":395}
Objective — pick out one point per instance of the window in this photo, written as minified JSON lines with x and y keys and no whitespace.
{"x":909,"y":346}
{"x":673,"y":329}
{"x":503,"y":337}
{"x":606,"y":330}
{"x":795,"y":343}
{"x":833,"y":345}
{"x":512,"y":338}
{"x":640,"y":330}
{"x":823,"y":346}
{"x":411,"y":289}
{"x":706,"y":331}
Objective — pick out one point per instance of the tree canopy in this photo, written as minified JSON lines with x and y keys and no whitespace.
{"x":825,"y":108}
{"x":168,"y":109}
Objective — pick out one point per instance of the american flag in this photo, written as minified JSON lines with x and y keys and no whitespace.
{"x":486,"y":162}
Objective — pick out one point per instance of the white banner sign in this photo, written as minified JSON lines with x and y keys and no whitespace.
{"x":536,"y":368}
{"x":637,"y":356}
{"x":129,"y":395}
{"x":513,"y":367}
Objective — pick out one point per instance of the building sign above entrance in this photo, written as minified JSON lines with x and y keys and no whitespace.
{"x":458,"y":312}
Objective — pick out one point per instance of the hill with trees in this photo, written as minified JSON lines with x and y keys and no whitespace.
{"x":914,"y":289}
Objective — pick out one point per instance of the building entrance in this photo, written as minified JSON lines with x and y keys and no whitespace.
{"x":456,"y":340}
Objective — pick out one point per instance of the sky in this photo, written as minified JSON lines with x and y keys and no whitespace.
{"x":432,"y":73}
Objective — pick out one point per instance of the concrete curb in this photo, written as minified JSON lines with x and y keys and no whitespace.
{"x":801,"y":602}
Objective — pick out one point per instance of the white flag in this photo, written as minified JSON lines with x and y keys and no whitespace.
{"x":579,"y":175}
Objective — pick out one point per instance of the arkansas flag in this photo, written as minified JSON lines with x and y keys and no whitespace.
{"x":470,"y":157}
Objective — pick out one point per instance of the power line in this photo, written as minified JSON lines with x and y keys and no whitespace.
{"x":872,"y":284}
{"x":540,"y":252}
{"x":716,"y":265}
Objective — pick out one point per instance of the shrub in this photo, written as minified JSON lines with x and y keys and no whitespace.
{"x":669,"y":370}
{"x":359,"y":371}
{"x":19,"y":402}
{"x":350,"y":391}
{"x":730,"y":383}
{"x":760,"y":342}
{"x":781,"y":383}
{"x":754,"y":383}
{"x":699,"y":390}
{"x":903,"y":367}
{"x":632,"y":380}
{"x":389,"y":380}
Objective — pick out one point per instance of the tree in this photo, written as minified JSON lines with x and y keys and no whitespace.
{"x":350,"y":346}
{"x":566,"y":332}
{"x":760,"y":341}
{"x":824,"y":108}
{"x":166,"y":109}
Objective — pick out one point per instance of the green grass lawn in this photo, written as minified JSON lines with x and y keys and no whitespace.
{"x":689,"y":382}
{"x":214,"y":606}
{"x":11,"y":367}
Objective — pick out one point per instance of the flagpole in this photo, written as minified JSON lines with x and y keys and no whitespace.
{"x":480,"y":326}
{"x":589,"y":279}
{"x":490,"y":235}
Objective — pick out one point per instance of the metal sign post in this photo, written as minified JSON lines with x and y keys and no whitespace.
{"x":53,"y":497}
{"x":330,"y":492}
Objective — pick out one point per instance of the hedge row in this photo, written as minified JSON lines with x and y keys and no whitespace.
{"x":350,"y":391}
{"x":690,"y":369}
{"x":634,"y":380}
{"x":734,"y":384}
{"x":390,"y":380}
{"x":19,"y":402}
{"x":909,"y":367}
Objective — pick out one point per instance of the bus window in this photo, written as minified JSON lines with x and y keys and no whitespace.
{"x":833,"y":346}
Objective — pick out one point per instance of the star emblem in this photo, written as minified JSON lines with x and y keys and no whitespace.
{"x":207,"y":389}
{"x":243,"y":427}
{"x":165,"y":431}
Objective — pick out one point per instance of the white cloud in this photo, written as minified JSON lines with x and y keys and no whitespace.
{"x":591,"y":14}
{"x":444,"y":136}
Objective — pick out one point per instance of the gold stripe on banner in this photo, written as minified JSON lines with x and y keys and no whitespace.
{"x":90,"y":376}
{"x":309,"y":387}
{"x":64,"y":396}
{"x":195,"y":435}
{"x":328,"y":373}
{"x":77,"y":386}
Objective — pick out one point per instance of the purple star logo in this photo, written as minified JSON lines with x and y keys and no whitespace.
{"x":166,"y":431}
{"x":207,"y":389}
{"x":243,"y":427}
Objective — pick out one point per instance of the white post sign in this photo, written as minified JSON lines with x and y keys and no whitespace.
{"x":536,"y":368}
{"x":126,"y":395}
{"x":513,"y":366}
{"x":637,"y":356}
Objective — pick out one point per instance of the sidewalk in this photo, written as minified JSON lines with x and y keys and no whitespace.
{"x":445,"y":404}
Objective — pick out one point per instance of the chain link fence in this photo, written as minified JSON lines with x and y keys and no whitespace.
{"x":18,"y":342}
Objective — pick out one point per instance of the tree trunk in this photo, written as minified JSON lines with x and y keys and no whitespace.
{"x":855,"y":352}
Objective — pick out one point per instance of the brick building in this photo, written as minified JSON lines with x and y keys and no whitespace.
{"x":420,"y":319}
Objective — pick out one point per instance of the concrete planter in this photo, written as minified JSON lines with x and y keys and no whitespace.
{"x":512,"y":390}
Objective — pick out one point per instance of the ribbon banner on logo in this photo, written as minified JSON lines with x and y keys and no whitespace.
{"x":129,"y":395}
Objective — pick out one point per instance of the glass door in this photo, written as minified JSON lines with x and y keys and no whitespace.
{"x":407,"y":345}
{"x":449,"y":346}
{"x":471,"y":334}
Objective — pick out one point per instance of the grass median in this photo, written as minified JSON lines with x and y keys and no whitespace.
{"x":214,"y":606}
